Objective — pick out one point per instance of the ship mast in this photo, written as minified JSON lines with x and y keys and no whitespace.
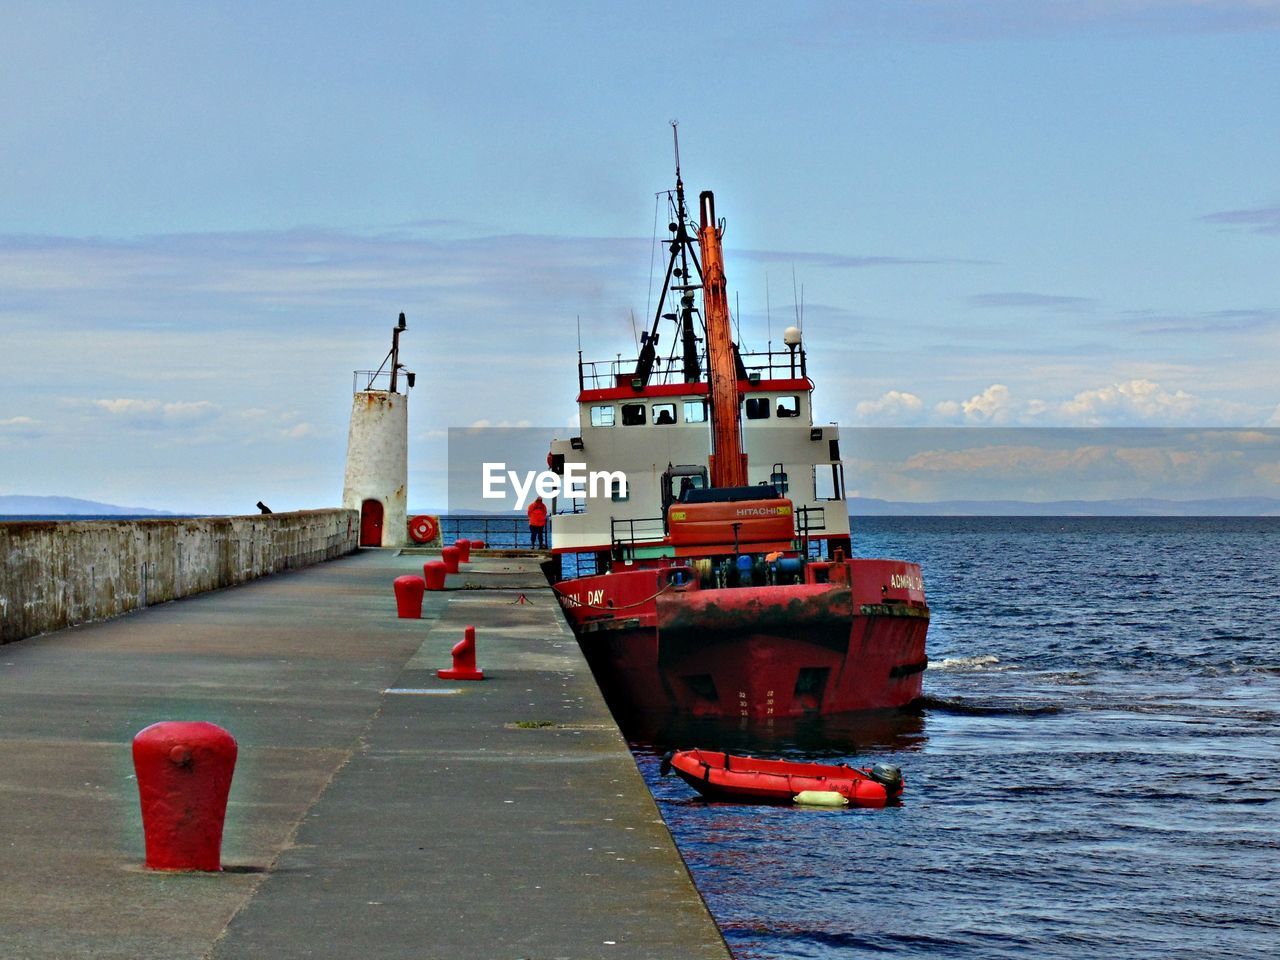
{"x":728,"y":464}
{"x":681,"y":249}
{"x":688,"y":338}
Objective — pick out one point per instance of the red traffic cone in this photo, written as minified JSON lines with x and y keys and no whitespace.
{"x":464,"y":659}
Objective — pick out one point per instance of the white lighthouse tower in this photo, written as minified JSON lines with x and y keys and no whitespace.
{"x":377,"y":476}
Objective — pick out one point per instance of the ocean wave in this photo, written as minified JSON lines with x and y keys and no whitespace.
{"x":979,"y":662}
{"x":974,"y":708}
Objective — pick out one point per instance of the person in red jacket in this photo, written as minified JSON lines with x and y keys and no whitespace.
{"x":538,"y":524}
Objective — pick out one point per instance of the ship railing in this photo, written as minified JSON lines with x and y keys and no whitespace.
{"x":364,"y":381}
{"x":816,"y":540}
{"x":776,"y":364}
{"x":634,"y":530}
{"x":628,"y":533}
{"x":810,"y":520}
{"x":498,"y":533}
{"x":767,"y":364}
{"x":606,"y":374}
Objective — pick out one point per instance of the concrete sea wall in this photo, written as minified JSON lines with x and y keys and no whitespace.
{"x":56,"y":574}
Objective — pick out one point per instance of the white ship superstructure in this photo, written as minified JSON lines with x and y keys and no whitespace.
{"x":653,"y":432}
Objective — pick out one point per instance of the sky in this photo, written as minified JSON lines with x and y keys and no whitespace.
{"x":997,"y":213}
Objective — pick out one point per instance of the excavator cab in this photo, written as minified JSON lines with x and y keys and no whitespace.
{"x":678,"y":482}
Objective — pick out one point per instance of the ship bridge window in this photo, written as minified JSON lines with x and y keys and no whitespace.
{"x":664,"y":413}
{"x":757,"y":408}
{"x":632,"y":414}
{"x":619,"y":491}
{"x":695,"y":411}
{"x":787,"y":407}
{"x":602,"y":416}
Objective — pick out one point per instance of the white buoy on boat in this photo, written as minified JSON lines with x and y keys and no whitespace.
{"x":821,"y":798}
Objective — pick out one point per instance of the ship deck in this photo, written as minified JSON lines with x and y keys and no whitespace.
{"x":365,"y":819}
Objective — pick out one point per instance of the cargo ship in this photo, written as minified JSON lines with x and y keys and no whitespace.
{"x":707,"y":570}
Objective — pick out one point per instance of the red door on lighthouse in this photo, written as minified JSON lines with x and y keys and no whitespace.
{"x":371,"y":523}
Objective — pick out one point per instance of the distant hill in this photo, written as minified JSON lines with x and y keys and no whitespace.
{"x":20,"y":506}
{"x":1135,"y":507}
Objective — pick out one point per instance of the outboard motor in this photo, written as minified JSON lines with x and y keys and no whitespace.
{"x":889,"y":777}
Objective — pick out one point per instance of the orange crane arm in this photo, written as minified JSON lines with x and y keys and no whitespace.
{"x":728,"y":465}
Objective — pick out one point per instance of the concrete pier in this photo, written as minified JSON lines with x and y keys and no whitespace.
{"x":376,"y":811}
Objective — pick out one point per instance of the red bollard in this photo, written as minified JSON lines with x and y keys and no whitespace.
{"x":409,"y":596}
{"x":464,"y":659}
{"x":464,"y":550}
{"x":184,"y":773}
{"x":433,"y":572}
{"x":451,"y":556}
{"x":477,"y":544}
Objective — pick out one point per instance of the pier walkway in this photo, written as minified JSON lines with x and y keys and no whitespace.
{"x":376,"y":811}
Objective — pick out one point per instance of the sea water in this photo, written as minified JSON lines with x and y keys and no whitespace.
{"x":1095,"y":771}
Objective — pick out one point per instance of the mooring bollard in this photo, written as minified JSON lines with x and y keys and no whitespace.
{"x":184,"y":771}
{"x":409,"y":596}
{"x":451,"y":556}
{"x":464,"y":550}
{"x":477,"y":544}
{"x":433,"y":572}
{"x":464,"y":659}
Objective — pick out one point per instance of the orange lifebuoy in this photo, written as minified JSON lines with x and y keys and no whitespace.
{"x":423,"y":529}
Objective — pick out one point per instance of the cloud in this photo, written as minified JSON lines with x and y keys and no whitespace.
{"x":892,"y":405}
{"x":1064,"y":464}
{"x":985,"y":19}
{"x":989,"y":462}
{"x":298,"y":431}
{"x":125,"y":406}
{"x":839,"y":260}
{"x":150,"y":413}
{"x":1143,"y":400}
{"x":1136,"y":402}
{"x":168,"y":282}
{"x":947,"y":409}
{"x":1094,"y":462}
{"x":994,"y":405}
{"x":1215,"y":322}
{"x":1033,"y":301}
{"x":20,"y":429}
{"x":1257,"y":219}
{"x":482,"y":424}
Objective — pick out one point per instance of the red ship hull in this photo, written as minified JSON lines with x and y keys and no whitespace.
{"x":853,"y":642}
